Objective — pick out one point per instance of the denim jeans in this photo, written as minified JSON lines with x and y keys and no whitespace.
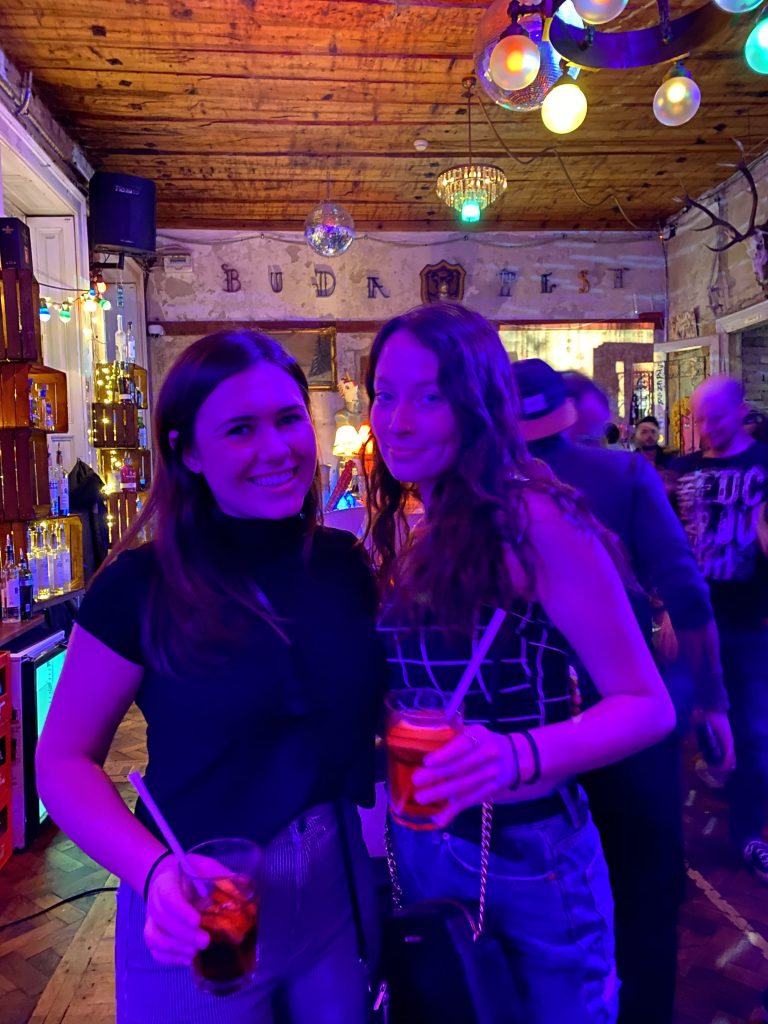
{"x":549,"y":904}
{"x":309,"y":971}
{"x":745,"y":666}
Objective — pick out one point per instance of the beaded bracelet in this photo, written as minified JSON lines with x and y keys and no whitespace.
{"x":150,"y":873}
{"x":535,"y":755}
{"x":515,"y":784}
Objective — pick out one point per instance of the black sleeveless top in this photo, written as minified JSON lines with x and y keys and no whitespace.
{"x":523,"y":682}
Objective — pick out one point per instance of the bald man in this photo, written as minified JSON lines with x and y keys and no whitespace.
{"x":721,"y":493}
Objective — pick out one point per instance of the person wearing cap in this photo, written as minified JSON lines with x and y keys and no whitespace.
{"x":637,"y":803}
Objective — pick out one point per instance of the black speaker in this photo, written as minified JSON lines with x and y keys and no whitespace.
{"x":122,"y":213}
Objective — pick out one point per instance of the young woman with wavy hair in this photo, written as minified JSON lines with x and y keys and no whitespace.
{"x":499,"y":532}
{"x":218,"y":628}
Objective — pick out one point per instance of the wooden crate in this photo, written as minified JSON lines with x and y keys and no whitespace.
{"x":20,"y":335}
{"x":103,"y":382}
{"x":121,"y":512}
{"x":14,"y":395}
{"x":24,"y":490}
{"x":6,"y":842}
{"x":114,"y":425}
{"x":142,"y":461}
{"x":73,"y":528}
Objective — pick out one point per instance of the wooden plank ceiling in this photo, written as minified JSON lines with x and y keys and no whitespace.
{"x":239,"y":109}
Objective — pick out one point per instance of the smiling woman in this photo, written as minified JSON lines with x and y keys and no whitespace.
{"x":217,"y":627}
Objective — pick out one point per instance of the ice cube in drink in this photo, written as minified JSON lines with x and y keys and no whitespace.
{"x":230,"y":916}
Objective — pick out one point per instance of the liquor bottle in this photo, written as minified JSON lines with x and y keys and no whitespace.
{"x":26,"y":587}
{"x":48,"y":409}
{"x":43,"y":571}
{"x":62,"y":482}
{"x":12,"y":606}
{"x":53,"y":487}
{"x":128,"y":474}
{"x":130,"y":344}
{"x":66,"y":558}
{"x":124,"y":385}
{"x":142,"y":432}
{"x":55,"y":565}
{"x":143,"y":459}
{"x":34,"y":409}
{"x":32,"y":561}
{"x":120,"y":340}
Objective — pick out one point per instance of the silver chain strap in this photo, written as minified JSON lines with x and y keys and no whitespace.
{"x":485,"y":853}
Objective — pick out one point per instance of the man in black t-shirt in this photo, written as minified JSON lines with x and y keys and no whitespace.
{"x":721,"y":495}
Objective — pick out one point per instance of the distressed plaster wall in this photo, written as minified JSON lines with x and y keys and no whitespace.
{"x":704,"y":282}
{"x":198,"y":293}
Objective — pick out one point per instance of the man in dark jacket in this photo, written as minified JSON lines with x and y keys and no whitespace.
{"x":636,"y":804}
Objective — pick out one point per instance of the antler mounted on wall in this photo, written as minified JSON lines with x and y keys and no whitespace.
{"x":752,"y":229}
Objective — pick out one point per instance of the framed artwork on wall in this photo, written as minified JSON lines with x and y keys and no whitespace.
{"x":314,"y":349}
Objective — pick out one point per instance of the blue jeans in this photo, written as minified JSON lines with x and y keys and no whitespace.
{"x":549,"y":904}
{"x":745,"y":666}
{"x":309,"y":971}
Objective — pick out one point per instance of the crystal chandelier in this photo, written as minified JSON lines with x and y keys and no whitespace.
{"x":469,"y":188}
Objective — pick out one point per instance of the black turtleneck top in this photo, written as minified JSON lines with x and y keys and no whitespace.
{"x":275,"y":728}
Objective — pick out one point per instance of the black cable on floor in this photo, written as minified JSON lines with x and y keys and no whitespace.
{"x":53,"y":906}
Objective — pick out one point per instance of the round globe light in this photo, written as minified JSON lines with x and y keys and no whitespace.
{"x":514,"y":62}
{"x":329,"y":229}
{"x":756,"y":48}
{"x":45,"y":313}
{"x":677,"y":99}
{"x":470,"y":211}
{"x":598,"y":12}
{"x":564,"y":108}
{"x":737,"y":6}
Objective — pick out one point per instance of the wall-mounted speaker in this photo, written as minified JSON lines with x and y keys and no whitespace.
{"x":122,"y":213}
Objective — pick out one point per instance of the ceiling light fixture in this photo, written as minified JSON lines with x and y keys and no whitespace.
{"x":678,"y":97}
{"x":471,"y":187}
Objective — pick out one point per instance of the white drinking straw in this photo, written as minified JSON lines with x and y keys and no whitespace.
{"x":141,"y":788}
{"x":475,"y":662}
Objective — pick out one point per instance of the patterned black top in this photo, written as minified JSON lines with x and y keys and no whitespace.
{"x":524,"y":680}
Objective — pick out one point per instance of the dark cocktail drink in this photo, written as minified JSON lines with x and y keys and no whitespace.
{"x":223,"y":884}
{"x":417,"y":724}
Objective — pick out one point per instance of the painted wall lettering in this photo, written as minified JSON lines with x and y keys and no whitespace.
{"x":508,"y":278}
{"x":325,"y":282}
{"x":585,"y":285}
{"x":232,"y":278}
{"x":276,"y":279}
{"x":618,"y":276}
{"x":546,"y":285}
{"x":375,"y":285}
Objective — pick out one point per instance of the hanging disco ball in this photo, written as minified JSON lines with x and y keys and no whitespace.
{"x":493,"y":22}
{"x":329,"y":229}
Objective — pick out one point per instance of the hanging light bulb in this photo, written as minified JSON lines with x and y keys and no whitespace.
{"x":105,"y":304}
{"x":45,"y":313}
{"x":101,"y":285}
{"x":678,"y":97}
{"x":737,"y":6}
{"x":65,"y":313}
{"x":90,"y":305}
{"x":564,"y":107}
{"x":515,"y":59}
{"x":756,"y":48}
{"x":599,"y":12}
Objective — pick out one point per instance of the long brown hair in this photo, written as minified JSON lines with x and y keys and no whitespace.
{"x":196,"y":604}
{"x":455,"y":562}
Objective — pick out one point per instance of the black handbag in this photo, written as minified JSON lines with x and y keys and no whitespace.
{"x":437,"y":965}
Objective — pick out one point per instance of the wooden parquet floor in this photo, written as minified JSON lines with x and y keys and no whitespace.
{"x":57,"y":969}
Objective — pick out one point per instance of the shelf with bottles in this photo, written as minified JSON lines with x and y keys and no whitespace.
{"x":114,"y":426}
{"x":120,"y":384}
{"x":125,"y":469}
{"x":34,"y":396}
{"x":42,"y":563}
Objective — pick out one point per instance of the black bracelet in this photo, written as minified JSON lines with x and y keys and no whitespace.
{"x":515,"y":784}
{"x":536,"y":757}
{"x":150,"y":873}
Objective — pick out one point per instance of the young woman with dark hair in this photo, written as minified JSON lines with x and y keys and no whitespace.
{"x":499,"y":532}
{"x":223,"y":629}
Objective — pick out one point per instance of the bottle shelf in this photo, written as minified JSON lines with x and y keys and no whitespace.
{"x":106,"y":379}
{"x":21,"y":387}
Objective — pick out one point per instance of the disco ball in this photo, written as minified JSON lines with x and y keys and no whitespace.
{"x":329,"y":229}
{"x":489,"y":28}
